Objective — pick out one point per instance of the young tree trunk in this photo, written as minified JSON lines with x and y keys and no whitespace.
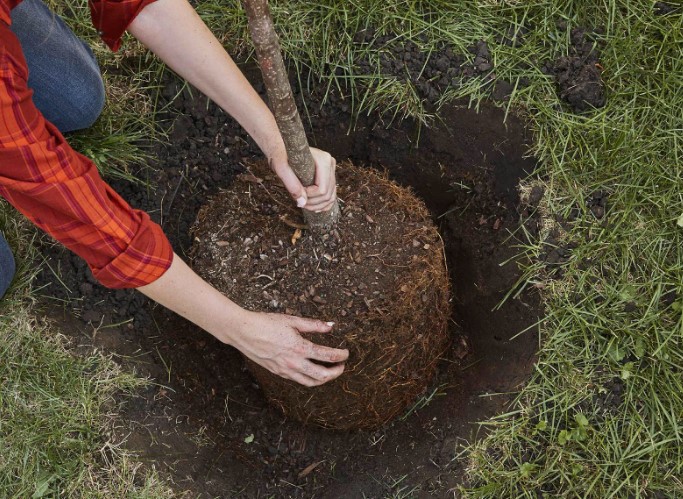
{"x":284,"y":108}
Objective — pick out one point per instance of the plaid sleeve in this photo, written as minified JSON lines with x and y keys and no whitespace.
{"x":111,"y":18}
{"x":62,"y":192}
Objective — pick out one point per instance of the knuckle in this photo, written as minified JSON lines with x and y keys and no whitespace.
{"x":299,"y":350}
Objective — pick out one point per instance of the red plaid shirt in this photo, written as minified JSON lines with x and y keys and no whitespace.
{"x":60,"y":190}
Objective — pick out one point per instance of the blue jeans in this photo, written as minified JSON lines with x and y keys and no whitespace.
{"x":62,"y":70}
{"x":65,"y":79}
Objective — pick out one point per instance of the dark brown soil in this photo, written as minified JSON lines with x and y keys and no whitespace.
{"x":206,"y":425}
{"x":379,"y":275}
{"x":578,"y":75}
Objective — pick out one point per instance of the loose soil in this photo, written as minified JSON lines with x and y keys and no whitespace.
{"x":579,"y":75}
{"x":205,"y":424}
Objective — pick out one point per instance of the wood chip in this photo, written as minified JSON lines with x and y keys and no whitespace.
{"x":294,"y":225}
{"x":248,"y":177}
{"x":497,"y":224}
{"x":222,"y":243}
{"x":309,"y":468}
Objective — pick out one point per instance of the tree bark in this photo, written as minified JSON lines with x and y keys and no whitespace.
{"x":284,"y":108}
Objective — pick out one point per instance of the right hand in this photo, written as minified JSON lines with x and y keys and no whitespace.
{"x":317,"y":197}
{"x":274,"y":342}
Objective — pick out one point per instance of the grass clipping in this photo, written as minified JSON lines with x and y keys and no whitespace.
{"x":379,"y":274}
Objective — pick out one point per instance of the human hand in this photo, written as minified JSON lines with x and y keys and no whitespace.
{"x":274,"y":342}
{"x":317,"y":197}
{"x":271,"y":340}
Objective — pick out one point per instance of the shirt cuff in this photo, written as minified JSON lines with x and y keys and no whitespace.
{"x":111,"y":18}
{"x":146,"y":258}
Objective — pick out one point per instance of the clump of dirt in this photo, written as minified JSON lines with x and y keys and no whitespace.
{"x":430,"y":72}
{"x":578,"y":75}
{"x":664,"y":8}
{"x":379,"y":275}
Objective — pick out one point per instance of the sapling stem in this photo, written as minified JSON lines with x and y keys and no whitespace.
{"x":284,"y":107}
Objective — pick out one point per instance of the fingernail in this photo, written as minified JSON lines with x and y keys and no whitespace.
{"x":301,"y":202}
{"x":330,"y":324}
{"x":318,"y":211}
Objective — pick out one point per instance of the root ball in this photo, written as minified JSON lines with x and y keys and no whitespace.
{"x":380,"y":275}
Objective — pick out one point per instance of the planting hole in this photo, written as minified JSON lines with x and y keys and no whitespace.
{"x":207,"y":424}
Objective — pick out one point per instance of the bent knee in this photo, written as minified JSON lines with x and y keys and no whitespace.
{"x":92,"y":104}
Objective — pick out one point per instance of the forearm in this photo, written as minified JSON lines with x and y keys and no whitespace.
{"x":174,"y":31}
{"x":271,"y":340}
{"x":184,"y":292}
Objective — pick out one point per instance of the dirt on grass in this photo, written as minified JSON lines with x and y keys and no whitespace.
{"x":206,"y":425}
{"x":579,"y":75}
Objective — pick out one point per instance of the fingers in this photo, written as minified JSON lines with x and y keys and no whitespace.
{"x":325,"y":166}
{"x":327,"y":354}
{"x":311,"y":374}
{"x":322,"y":194}
{"x":291,"y":183}
{"x":304,"y":325}
{"x":302,"y":379}
{"x":318,"y":352}
{"x":320,"y":203}
{"x":320,"y":374}
{"x":286,"y":353}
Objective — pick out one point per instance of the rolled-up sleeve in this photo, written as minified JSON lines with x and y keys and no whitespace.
{"x":111,"y":18}
{"x":62,"y":192}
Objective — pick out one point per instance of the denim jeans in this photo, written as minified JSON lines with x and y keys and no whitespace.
{"x":65,"y":79}
{"x":63,"y":72}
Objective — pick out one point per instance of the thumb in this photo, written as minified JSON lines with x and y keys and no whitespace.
{"x":293,"y":185}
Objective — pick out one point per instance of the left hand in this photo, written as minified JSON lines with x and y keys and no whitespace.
{"x":317,"y":197}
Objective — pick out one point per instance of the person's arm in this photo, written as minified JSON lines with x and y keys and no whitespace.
{"x":62,"y":192}
{"x":271,"y":340}
{"x":174,"y":31}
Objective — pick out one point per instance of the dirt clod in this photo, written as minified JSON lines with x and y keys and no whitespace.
{"x":578,"y":75}
{"x":396,"y":332}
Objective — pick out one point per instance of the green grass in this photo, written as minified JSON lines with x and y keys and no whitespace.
{"x":610,"y":320}
{"x":54,"y":415}
{"x":57,"y":408}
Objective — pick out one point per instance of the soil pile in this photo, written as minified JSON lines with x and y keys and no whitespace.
{"x":578,"y":76}
{"x":431,"y":75}
{"x":380,"y":275}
